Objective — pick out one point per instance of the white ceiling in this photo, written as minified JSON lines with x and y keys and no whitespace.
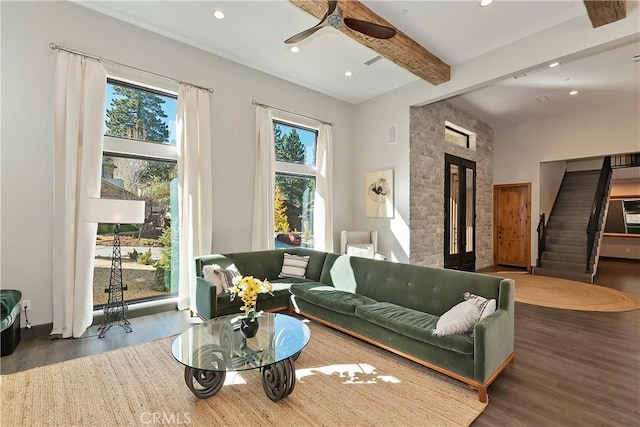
{"x":253,"y":32}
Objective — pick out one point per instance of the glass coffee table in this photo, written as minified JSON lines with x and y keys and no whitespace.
{"x":213,"y":348}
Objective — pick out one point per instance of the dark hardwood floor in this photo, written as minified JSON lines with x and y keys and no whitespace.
{"x":572,"y":368}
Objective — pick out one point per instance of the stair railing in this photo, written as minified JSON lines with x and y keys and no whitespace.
{"x":596,"y":208}
{"x":542,"y":237}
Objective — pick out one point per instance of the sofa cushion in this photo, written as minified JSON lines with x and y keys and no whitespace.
{"x":413,"y":324}
{"x":329,"y":297}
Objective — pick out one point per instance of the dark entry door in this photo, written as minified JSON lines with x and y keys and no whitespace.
{"x":459,"y":214}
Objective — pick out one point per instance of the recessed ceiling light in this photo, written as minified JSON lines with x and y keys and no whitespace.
{"x":218,"y":14}
{"x":573,"y":92}
{"x":554,"y":64}
{"x":404,"y":11}
{"x":485,"y":2}
{"x":295,"y":49}
{"x":348,"y":74}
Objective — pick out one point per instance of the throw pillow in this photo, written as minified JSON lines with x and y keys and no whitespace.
{"x":294,"y":266}
{"x":342,"y":275}
{"x":487,"y":306}
{"x":459,"y":319}
{"x":222,"y":278}
{"x":364,"y":250}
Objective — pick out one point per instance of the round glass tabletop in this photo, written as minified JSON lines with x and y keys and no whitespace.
{"x":219,"y":345}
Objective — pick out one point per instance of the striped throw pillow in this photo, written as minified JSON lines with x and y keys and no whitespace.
{"x":294,"y":266}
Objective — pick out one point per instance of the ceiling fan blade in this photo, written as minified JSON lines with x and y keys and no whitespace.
{"x":370,"y":29}
{"x":303,"y":35}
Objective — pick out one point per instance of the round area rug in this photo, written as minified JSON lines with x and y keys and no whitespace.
{"x":567,"y":294}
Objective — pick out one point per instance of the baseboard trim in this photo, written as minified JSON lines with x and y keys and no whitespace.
{"x":133,"y":310}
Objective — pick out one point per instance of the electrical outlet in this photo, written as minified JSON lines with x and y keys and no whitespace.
{"x":628,"y":250}
{"x":26,"y":304}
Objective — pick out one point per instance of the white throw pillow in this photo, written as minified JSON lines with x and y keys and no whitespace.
{"x":364,"y":250}
{"x":294,"y":266}
{"x":342,"y":275}
{"x":487,"y":306}
{"x":459,"y":319}
{"x":222,"y":278}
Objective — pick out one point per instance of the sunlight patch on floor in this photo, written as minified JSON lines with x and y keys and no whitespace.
{"x":354,"y":373}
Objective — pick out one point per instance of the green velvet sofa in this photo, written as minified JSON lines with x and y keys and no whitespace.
{"x":394,"y":306}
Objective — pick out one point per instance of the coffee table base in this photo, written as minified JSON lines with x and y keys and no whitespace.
{"x":278,"y":380}
{"x":203,"y":384}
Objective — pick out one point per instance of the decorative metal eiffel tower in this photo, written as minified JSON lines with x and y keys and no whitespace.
{"x":115,"y":308}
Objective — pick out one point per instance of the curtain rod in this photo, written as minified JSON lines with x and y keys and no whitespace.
{"x":254,"y":102}
{"x":57,"y":47}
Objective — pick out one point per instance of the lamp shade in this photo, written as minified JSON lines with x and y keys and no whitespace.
{"x":115,"y":211}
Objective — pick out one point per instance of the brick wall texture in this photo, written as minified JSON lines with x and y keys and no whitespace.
{"x":426,"y":163}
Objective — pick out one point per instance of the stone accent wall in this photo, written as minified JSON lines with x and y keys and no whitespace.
{"x":426,"y":162}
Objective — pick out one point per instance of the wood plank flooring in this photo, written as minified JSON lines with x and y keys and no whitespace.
{"x":571,"y":369}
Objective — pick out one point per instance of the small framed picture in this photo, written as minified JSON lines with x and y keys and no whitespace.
{"x":379,"y":194}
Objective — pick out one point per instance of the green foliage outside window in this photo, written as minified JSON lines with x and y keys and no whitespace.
{"x":137,"y":114}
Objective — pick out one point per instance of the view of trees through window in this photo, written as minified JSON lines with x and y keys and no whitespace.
{"x":137,"y":114}
{"x":295,"y":151}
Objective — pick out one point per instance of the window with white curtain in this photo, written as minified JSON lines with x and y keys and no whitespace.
{"x":295,"y":182}
{"x":140,"y":162}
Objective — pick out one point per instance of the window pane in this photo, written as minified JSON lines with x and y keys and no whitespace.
{"x":454,"y":206}
{"x":470,"y":207}
{"x":294,"y":144}
{"x":456,"y":137}
{"x":146,"y":248}
{"x":294,"y":210}
{"x":135,"y":113}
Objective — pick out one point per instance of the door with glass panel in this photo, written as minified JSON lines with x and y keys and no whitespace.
{"x":459,"y":214}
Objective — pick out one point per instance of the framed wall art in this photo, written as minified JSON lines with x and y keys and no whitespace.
{"x":379,"y":194}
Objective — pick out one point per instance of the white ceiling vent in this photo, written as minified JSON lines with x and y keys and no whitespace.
{"x":373,"y":60}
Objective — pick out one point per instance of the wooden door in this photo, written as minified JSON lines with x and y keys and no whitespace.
{"x":459,"y":214}
{"x":512,"y":225}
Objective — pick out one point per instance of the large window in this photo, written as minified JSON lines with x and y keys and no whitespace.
{"x":139,"y":162}
{"x":295,"y":151}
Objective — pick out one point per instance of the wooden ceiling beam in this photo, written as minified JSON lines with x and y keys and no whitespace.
{"x":603,"y":12}
{"x":400,"y":49}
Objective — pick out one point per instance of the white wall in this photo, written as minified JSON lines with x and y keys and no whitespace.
{"x":551,"y":174}
{"x":520,"y":148}
{"x":27,"y":155}
{"x":585,"y":164}
{"x":620,"y":247}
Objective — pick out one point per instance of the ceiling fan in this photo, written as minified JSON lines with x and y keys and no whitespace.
{"x":333,"y":18}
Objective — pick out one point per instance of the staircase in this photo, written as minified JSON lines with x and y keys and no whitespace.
{"x":565,"y":252}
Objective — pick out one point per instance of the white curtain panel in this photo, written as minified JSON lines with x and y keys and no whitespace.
{"x":195,"y":195}
{"x":78,"y":119}
{"x":323,"y":198}
{"x":262,"y":236}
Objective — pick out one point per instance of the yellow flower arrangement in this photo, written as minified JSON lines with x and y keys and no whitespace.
{"x":248,"y":288}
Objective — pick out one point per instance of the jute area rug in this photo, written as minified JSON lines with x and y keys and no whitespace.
{"x":341,"y":381}
{"x":567,"y":294}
